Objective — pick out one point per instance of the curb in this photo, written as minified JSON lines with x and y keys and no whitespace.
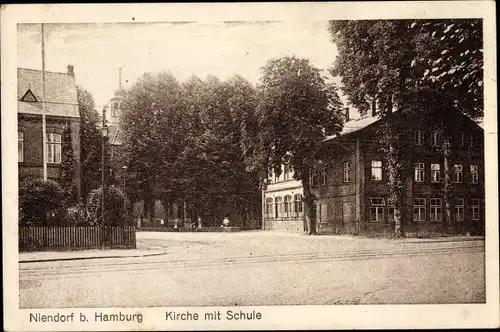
{"x":86,"y":258}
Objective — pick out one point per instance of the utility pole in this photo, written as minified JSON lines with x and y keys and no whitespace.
{"x":44,"y":121}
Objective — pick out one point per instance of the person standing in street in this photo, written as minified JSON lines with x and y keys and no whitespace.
{"x":225,"y":221}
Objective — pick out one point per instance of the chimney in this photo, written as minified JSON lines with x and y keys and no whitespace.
{"x":70,"y":70}
{"x":374,"y":107}
{"x":347,"y":114}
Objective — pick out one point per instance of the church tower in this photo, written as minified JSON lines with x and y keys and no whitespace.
{"x":115,"y":103}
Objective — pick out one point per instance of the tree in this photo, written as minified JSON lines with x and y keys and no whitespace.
{"x":195,"y":129}
{"x":114,"y":206}
{"x":68,"y":165}
{"x":295,"y":113}
{"x":401,"y":64}
{"x":449,"y":58}
{"x":90,"y":143}
{"x":40,"y":202}
{"x":216,"y":176}
{"x":153,"y":121}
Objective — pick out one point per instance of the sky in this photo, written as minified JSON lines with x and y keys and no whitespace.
{"x":184,"y":48}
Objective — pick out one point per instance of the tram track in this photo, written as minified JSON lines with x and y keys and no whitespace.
{"x":166,"y":263}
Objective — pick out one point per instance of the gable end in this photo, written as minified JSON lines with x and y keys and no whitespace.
{"x":29,"y":96}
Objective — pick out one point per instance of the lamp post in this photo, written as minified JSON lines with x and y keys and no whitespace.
{"x":104,"y":135}
{"x":124,"y":168}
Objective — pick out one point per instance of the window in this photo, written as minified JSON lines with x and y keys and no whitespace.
{"x":286,"y":173}
{"x":390,"y":211}
{"x":459,"y":209}
{"x":458,"y":174}
{"x":276,"y":177}
{"x":53,"y":148}
{"x":298,"y":204}
{"x":436,"y":138}
{"x":345,"y":175}
{"x":474,"y":206}
{"x":377,"y":205}
{"x":435,"y":173}
{"x":20,"y":146}
{"x":376,"y":170}
{"x":314,"y":177}
{"x":288,"y":206}
{"x":277,"y":207}
{"x":419,"y":172}
{"x":462,"y":139}
{"x":323,"y":176}
{"x":113,"y":110}
{"x":436,"y":206}
{"x":474,"y":173}
{"x":419,"y":209}
{"x":419,"y":137}
{"x":269,"y":207}
{"x":471,"y":140}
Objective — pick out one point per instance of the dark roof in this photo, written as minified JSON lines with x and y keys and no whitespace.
{"x":60,"y":91}
{"x":366,"y":121}
{"x":355,"y":125}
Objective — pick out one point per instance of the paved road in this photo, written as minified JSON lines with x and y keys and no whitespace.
{"x":262,"y":268}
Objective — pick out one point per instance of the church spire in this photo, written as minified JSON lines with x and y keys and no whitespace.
{"x":120,"y":78}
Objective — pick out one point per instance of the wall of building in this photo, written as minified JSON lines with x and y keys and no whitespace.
{"x":286,"y":222}
{"x":337,"y":202}
{"x":464,"y":154}
{"x":336,"y":198}
{"x":32,"y":164}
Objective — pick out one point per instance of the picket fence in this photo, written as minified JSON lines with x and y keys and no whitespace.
{"x":36,"y":238}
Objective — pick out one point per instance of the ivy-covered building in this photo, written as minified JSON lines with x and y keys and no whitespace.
{"x":61,"y":109}
{"x":350,"y":181}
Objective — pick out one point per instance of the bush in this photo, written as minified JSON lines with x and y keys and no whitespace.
{"x":40,"y":202}
{"x":77,"y":215}
{"x":114,"y":206}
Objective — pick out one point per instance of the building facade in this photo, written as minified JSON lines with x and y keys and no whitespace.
{"x":350,"y":182}
{"x":282,"y":202}
{"x":61,"y":109}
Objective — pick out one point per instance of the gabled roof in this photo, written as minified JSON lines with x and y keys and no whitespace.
{"x":60,"y":92}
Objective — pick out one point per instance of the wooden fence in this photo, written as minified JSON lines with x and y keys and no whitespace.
{"x":70,"y":238}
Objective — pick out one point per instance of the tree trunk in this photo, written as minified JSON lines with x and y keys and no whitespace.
{"x":447,"y":189}
{"x":393,"y":194}
{"x":148,"y":205}
{"x":166,"y":208}
{"x":309,"y":213}
{"x":395,"y":182}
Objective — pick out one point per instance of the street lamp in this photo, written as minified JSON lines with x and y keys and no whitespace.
{"x":104,"y":135}
{"x":124,"y":168}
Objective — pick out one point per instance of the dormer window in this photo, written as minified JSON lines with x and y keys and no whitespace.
{"x":419,"y":137}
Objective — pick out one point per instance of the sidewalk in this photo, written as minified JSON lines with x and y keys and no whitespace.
{"x":444,"y":239}
{"x":327,"y":236}
{"x":44,"y":256}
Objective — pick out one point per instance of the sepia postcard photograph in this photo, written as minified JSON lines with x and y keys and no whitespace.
{"x":250,"y":166}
